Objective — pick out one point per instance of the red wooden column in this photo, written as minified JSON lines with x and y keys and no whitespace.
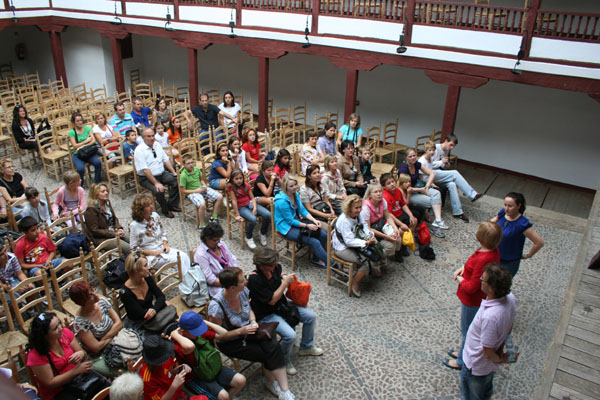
{"x":455,"y":82}
{"x":117,"y":59}
{"x":193,"y":76}
{"x":351,"y":91}
{"x":58,"y":57}
{"x":263,"y":93}
{"x":450,"y":109}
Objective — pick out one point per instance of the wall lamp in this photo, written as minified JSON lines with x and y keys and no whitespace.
{"x":168,"y":26}
{"x":306,"y":44}
{"x":402,"y":48}
{"x":13,"y":9}
{"x":232,"y":35}
{"x":116,"y":20}
{"x":520,"y":56}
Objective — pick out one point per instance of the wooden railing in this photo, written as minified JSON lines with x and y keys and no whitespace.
{"x":209,"y":3}
{"x":568,"y":25}
{"x":366,"y":9}
{"x":469,"y":16}
{"x":299,"y":6}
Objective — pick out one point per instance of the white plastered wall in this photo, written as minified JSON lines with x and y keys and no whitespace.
{"x":85,"y":58}
{"x":38,"y":55}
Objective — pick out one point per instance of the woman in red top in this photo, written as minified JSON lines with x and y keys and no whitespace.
{"x":252,"y":148}
{"x":489,"y":236}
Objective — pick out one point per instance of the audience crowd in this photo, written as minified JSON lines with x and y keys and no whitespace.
{"x":371,"y":221}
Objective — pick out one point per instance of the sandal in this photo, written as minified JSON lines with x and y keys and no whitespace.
{"x":446,"y":362}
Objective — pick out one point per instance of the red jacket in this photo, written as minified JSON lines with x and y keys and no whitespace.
{"x":469,"y":291}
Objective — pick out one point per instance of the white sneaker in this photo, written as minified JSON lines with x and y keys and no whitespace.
{"x":263,"y":239}
{"x":439,"y":223}
{"x":273,"y":388}
{"x":251,"y":244}
{"x":287,"y":395}
{"x":290,"y":369}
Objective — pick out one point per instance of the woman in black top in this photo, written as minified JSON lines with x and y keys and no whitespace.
{"x":140,"y":295}
{"x":264,"y":186}
{"x":23,"y":129}
{"x":12,"y":184}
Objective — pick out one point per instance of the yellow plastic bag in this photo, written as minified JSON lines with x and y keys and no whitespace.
{"x":408,"y":240}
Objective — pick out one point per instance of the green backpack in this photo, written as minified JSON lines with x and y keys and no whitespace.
{"x":208,"y":360}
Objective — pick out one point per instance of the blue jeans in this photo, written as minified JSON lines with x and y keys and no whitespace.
{"x":453,"y":180}
{"x":288,"y":334}
{"x":55,"y":263}
{"x":318,"y":245}
{"x":246,"y":213}
{"x":467,"y":314}
{"x":475,"y":387}
{"x":80,"y":167}
{"x":511,"y":266}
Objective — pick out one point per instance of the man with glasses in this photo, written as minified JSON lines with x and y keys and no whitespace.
{"x":484,"y":346}
{"x":150,"y":162}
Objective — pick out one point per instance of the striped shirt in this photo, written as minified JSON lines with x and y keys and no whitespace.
{"x":122,"y":125}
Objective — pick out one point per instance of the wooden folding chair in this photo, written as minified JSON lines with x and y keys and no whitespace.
{"x":12,"y":342}
{"x":55,"y":160}
{"x":121,"y":173}
{"x":390,"y":145}
{"x":343,"y":272}
{"x":286,"y":248}
{"x":65,"y":275}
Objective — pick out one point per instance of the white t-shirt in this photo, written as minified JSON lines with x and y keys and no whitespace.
{"x":426,"y":164}
{"x":162,"y":140}
{"x":103,"y":134}
{"x":231,"y":111}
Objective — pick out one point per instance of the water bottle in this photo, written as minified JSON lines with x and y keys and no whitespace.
{"x":510,"y":349}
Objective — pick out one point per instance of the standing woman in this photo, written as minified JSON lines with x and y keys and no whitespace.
{"x":350,"y":169}
{"x":424,"y":196}
{"x":232,"y":108}
{"x":515,"y":228}
{"x":80,"y":136}
{"x":23,"y":129}
{"x":148,"y":237}
{"x":294,"y":222}
{"x":100,"y":221}
{"x":351,"y":131}
{"x":161,"y":112}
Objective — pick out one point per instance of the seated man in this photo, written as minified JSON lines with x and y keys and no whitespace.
{"x":195,"y":333}
{"x":150,"y":162}
{"x":451,"y":179}
{"x":207,"y":114}
{"x":34,"y":250}
{"x":121,"y":122}
{"x":140,"y":113}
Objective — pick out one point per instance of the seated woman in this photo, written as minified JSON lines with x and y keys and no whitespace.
{"x":213,"y":256}
{"x":422,"y":193}
{"x":345,"y":243}
{"x":376,"y":214}
{"x":70,"y":198}
{"x":96,"y":324}
{"x":313,"y":197}
{"x":104,"y":134}
{"x":174,"y":133}
{"x":35,"y":207}
{"x":327,"y":141}
{"x":161,"y":374}
{"x":238,"y":155}
{"x":333,"y":184}
{"x":23,"y":129}
{"x":251,"y":145}
{"x":351,"y":131}
{"x":294,"y":222}
{"x":283,"y":163}
{"x":148,"y":237}
{"x":80,"y":136}
{"x":231,"y":108}
{"x":350,"y":169}
{"x":100,"y":220}
{"x":221,"y":168}
{"x":230,"y":308}
{"x":311,"y":152}
{"x":267,"y":284}
{"x":140,"y":295}
{"x":161,"y":112}
{"x":56,"y":358}
{"x":12,"y":184}
{"x":266,"y":184}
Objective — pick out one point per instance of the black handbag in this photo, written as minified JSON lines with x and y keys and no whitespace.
{"x":84,"y":386}
{"x":378,"y":226}
{"x":86,"y":152}
{"x":289,"y":312}
{"x":308,"y":232}
{"x":161,"y":320}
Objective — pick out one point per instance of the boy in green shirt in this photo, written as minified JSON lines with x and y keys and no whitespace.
{"x":191,"y":185}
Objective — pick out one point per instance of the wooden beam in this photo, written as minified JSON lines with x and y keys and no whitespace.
{"x":454,"y":79}
{"x":530,"y":16}
{"x":316,"y":9}
{"x":263,"y":93}
{"x":193,"y":76}
{"x":117,"y":59}
{"x":409,"y":18}
{"x":351,"y":91}
{"x":58,"y":57}
{"x":452,"y":97}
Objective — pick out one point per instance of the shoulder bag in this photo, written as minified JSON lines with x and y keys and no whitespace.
{"x":265,"y":331}
{"x":161,"y":320}
{"x":86,"y":152}
{"x":85,"y":385}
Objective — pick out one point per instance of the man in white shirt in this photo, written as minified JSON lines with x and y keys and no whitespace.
{"x":150,"y":162}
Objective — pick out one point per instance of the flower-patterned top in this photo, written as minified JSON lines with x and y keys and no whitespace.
{"x":333,"y":185}
{"x":146,"y":235}
{"x":308,"y":155}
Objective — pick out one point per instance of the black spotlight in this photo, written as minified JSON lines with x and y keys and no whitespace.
{"x":168,"y":26}
{"x":402,"y":48}
{"x":232,"y":35}
{"x":520,"y":56}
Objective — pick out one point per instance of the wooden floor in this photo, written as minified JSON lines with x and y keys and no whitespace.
{"x":538,"y":194}
{"x":572,"y":370}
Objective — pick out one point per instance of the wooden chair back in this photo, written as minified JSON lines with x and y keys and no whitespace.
{"x":373,"y":137}
{"x":101,"y":257}
{"x":32,"y":299}
{"x":65,"y":275}
{"x":171,"y":279}
{"x":60,"y":228}
{"x":344,"y":269}
{"x":103,"y":394}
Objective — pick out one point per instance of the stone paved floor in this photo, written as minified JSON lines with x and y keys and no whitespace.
{"x":389,"y":344}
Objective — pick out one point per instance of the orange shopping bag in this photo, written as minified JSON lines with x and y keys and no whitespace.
{"x":298,"y":292}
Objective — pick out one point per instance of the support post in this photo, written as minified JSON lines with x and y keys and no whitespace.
{"x":529,"y":25}
{"x":263,"y":93}
{"x":409,"y":19}
{"x":58,"y":57}
{"x":238,"y":13}
{"x":452,"y":97}
{"x":316,"y":9}
{"x":117,"y":59}
{"x":175,"y":10}
{"x":351,"y":90}
{"x":193,"y":76}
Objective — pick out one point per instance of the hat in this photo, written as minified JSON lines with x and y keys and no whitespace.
{"x":157,"y":350}
{"x":193,"y":323}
